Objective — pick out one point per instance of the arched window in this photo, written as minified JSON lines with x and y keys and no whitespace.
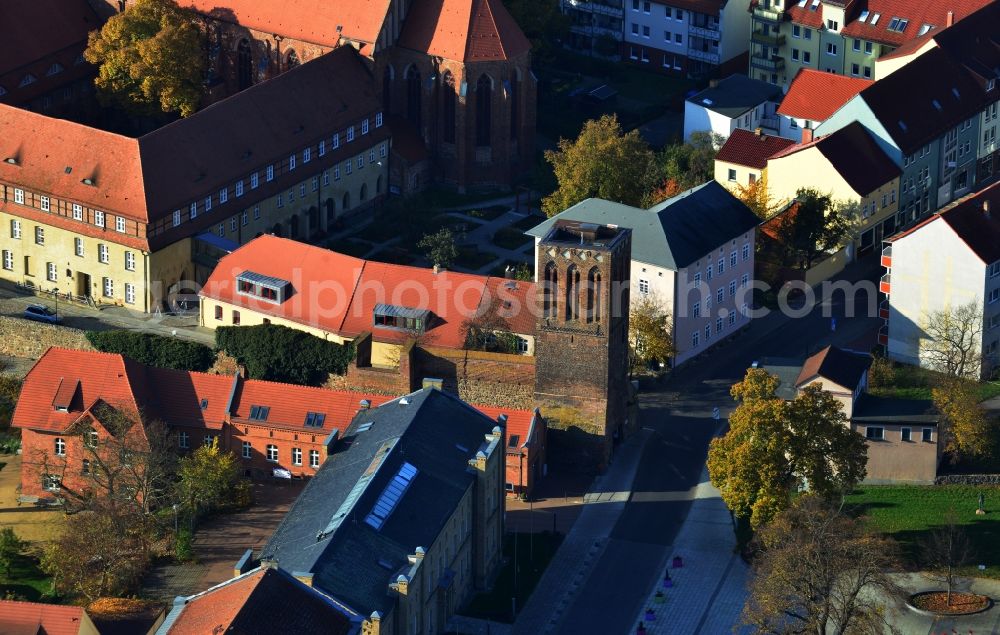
{"x":484,"y":104}
{"x":347,"y":202}
{"x":244,"y":64}
{"x":572,"y":293}
{"x":364,"y":192}
{"x":515,"y":106}
{"x":387,"y":75}
{"x":550,"y":290}
{"x":291,"y":59}
{"x":449,"y":97}
{"x":594,"y":295}
{"x":413,"y":95}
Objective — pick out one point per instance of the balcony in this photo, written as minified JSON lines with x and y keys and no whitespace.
{"x":772,"y":124}
{"x":887,"y":256}
{"x":774,"y":63}
{"x":596,"y":7}
{"x":883,"y":335}
{"x":767,"y":38}
{"x":707,"y":32}
{"x":883,"y":284}
{"x":768,"y":15}
{"x":883,"y":309}
{"x":704,"y":56}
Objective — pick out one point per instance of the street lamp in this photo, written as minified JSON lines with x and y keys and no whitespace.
{"x":56,"y":291}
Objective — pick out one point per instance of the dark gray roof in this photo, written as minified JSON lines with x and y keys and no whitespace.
{"x":872,"y":409}
{"x":787,"y":370}
{"x":674,"y":233}
{"x":736,"y":94}
{"x":433,"y":431}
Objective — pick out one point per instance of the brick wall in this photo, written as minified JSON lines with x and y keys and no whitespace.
{"x":493,"y":379}
{"x":24,"y":338}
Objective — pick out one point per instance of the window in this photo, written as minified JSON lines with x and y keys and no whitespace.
{"x":102,"y":253}
{"x":244,"y":218}
{"x":336,"y":173}
{"x":995,"y":269}
{"x":833,"y":25}
{"x":796,"y":30}
{"x":232,"y":224}
{"x":256,"y":212}
{"x":720,"y":295}
{"x":645,"y":7}
{"x":708,"y":332}
{"x":314,"y":454}
{"x":307,"y":155}
{"x":247,"y":450}
{"x":269,"y":173}
{"x":296,"y":456}
{"x":279,"y":202}
{"x":19,"y":196}
{"x":350,"y":134}
{"x":109,"y":288}
{"x":51,"y":273}
{"x":77,"y":212}
{"x":99,"y":218}
{"x":722,"y":265}
{"x":994,"y":296}
{"x":732,"y":174}
{"x":694,"y":339}
{"x":378,"y":120}
{"x":272,"y":453}
{"x":732,"y":288}
{"x":905,"y":434}
{"x":183,"y":439}
{"x":732,"y":317}
{"x":927,"y":435}
{"x":177,"y":217}
{"x":129,"y":293}
{"x":635,"y":29}
{"x":336,"y":140}
{"x":218,"y":312}
{"x":381,"y":150}
{"x":645,"y":31}
{"x":326,"y":177}
{"x":194,"y":210}
{"x":364,"y":127}
{"x":291,"y":162}
{"x":8,"y":259}
{"x":643,"y":286}
{"x":875,"y":433}
{"x":208,"y":203}
{"x":119,"y":224}
{"x":856,"y":45}
{"x":239,"y":188}
{"x":44,"y":202}
{"x":15,"y":229}
{"x":746,"y":252}
{"x":85,"y":467}
{"x":255,"y":180}
{"x":732,"y":259}
{"x":39,"y":235}
{"x":718,"y":325}
{"x":806,"y":57}
{"x":223,"y":195}
{"x":678,"y":14}
{"x":78,"y":246}
{"x":708,"y":272}
{"x":315,"y":183}
{"x":51,"y":482}
{"x":807,"y":34}
{"x":348,"y":167}
{"x":831,"y":48}
{"x":361,"y":161}
{"x":868,"y":48}
{"x":678,"y":38}
{"x":855,"y":70}
{"x":236,"y":318}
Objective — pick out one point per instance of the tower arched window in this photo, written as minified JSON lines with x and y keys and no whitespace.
{"x":594,"y":295}
{"x":484,"y":107}
{"x":244,"y":64}
{"x":413,"y":96}
{"x":550,"y":291}
{"x":572,"y":293}
{"x":449,"y":97}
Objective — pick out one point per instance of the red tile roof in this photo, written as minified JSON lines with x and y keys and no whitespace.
{"x":312,"y":21}
{"x":918,"y":12}
{"x":747,"y":148}
{"x":33,"y":618}
{"x":289,"y":405}
{"x":815,"y":95}
{"x":519,"y":422}
{"x":338,"y":293}
{"x":463,"y":30}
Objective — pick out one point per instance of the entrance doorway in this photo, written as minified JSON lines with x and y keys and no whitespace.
{"x":83,"y":284}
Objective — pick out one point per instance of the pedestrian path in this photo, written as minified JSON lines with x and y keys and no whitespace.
{"x":582,"y":548}
{"x":707,"y":588}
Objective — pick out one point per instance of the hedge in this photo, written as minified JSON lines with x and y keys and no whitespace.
{"x":279,"y":353}
{"x":154,"y":350}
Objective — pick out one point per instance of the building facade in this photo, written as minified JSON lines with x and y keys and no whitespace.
{"x":742,"y":159}
{"x":735,"y":102}
{"x":811,"y":98}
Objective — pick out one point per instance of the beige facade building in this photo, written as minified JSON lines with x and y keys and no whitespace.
{"x":132,"y":221}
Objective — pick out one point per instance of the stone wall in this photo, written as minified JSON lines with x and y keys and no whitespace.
{"x":24,"y":338}
{"x":492,"y":379}
{"x":968,"y":479}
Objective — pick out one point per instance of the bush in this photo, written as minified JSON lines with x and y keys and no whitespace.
{"x":279,"y":353}
{"x":154,"y":350}
{"x":184,"y":546}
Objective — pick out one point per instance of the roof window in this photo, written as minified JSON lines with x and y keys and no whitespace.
{"x":399,"y":317}
{"x":263,"y":287}
{"x":898,"y":25}
{"x":814,"y":5}
{"x":391,"y":496}
{"x":864,"y":15}
{"x":315,"y":419}
{"x":259,"y":413}
{"x":936,"y":104}
{"x":925,"y":28}
{"x":875,"y":18}
{"x":902,"y":125}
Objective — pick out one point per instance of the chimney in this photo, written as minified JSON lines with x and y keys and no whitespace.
{"x":948,"y":21}
{"x":502,"y":420}
{"x":437,"y":268}
{"x":986,"y":209}
{"x":365,"y":404}
{"x":807,"y":135}
{"x":758,"y":131}
{"x":509,"y":272}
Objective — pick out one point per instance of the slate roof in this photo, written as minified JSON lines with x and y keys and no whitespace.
{"x":735,"y":95}
{"x":674,"y":233}
{"x":350,"y":560}
{"x":815,"y":95}
{"x":265,"y":600}
{"x":463,"y":30}
{"x":787,"y":370}
{"x":872,"y":409}
{"x":844,"y":368}
{"x":744,"y":147}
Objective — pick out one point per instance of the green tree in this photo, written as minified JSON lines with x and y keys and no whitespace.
{"x":692,"y":163}
{"x":207,"y":477}
{"x":603,"y":162}
{"x":813,"y":226}
{"x":774,"y":447}
{"x":150,"y":58}
{"x":543,"y":23}
{"x":439,"y":247}
{"x":650,"y":331}
{"x":283,"y":354}
{"x":10,"y":548}
{"x":819,"y":571}
{"x":10,"y":389}
{"x":968,"y":431}
{"x":154,"y":350}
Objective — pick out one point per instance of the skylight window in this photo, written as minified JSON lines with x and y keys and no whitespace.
{"x":898,"y":25}
{"x":925,"y":28}
{"x":814,"y":5}
{"x":391,"y":496}
{"x":954,"y":91}
{"x":259,"y":413}
{"x":315,"y":419}
{"x":802,"y":3}
{"x":936,"y":104}
{"x":864,"y":15}
{"x":902,"y":125}
{"x":875,"y":18}
{"x":204,"y":404}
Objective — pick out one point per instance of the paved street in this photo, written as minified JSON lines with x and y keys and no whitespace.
{"x":614,"y":576}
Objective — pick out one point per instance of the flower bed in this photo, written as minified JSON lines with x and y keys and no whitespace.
{"x":961,"y":603}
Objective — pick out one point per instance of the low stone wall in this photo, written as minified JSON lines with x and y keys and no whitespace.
{"x":968,"y":479}
{"x":492,"y":379}
{"x":24,"y":338}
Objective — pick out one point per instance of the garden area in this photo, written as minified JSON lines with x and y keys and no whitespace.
{"x":529,"y":554}
{"x":913,"y":382}
{"x":909,"y":514}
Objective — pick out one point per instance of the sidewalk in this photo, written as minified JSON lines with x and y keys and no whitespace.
{"x":573,"y":563}
{"x":709,"y":589}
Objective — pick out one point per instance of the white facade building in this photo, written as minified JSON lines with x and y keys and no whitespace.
{"x":736,"y":102}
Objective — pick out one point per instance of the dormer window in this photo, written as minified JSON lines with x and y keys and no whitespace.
{"x":264,"y":287}
{"x":27,"y":80}
{"x":55,"y":69}
{"x":315,"y":419}
{"x":259,"y":413}
{"x":398,"y":317}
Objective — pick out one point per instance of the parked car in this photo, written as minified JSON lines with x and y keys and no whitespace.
{"x":41,"y":313}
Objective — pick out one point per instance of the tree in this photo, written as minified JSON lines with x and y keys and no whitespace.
{"x":489,"y":330}
{"x":773,"y":447}
{"x":692,"y":163}
{"x":207,"y":477}
{"x":154,"y":350}
{"x":819,"y":571}
{"x":543,"y":23}
{"x":10,"y":548}
{"x":810,"y":228}
{"x":953,"y":340}
{"x":10,"y":389}
{"x":757,"y":196}
{"x":945,"y":550}
{"x":439,"y":247}
{"x":101,"y":552}
{"x":151,"y":58}
{"x":650,"y":331}
{"x":668,"y":188}
{"x":603,"y":162}
{"x":968,"y":430}
{"x":280,"y":353}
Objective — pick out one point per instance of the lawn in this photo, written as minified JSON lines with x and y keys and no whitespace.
{"x":910,"y":513}
{"x":533,"y":553}
{"x":511,"y":238}
{"x":913,"y":382}
{"x":26,"y":581}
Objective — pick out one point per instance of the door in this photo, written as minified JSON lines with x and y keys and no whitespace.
{"x":27,"y":265}
{"x":83,"y":284}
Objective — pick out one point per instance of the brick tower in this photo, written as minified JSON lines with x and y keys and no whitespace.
{"x":581,"y":345}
